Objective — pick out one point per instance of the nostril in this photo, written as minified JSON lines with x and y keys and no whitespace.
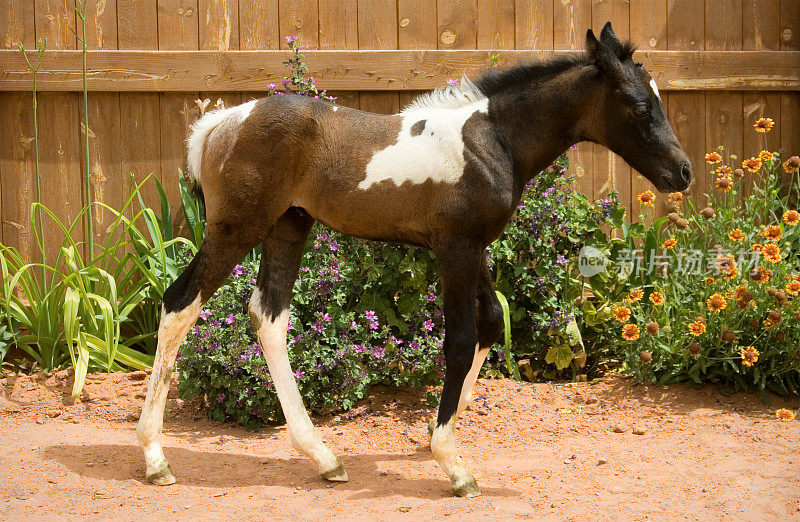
{"x":686,"y":172}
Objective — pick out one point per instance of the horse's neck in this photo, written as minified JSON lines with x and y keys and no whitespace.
{"x":543,"y":122}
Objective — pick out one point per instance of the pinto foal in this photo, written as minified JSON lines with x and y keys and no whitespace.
{"x":446,"y":173}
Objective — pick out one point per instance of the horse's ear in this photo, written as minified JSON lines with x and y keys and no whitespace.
{"x":610,"y":40}
{"x":599,"y":54}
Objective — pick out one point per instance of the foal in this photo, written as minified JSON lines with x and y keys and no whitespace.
{"x":446,"y":173}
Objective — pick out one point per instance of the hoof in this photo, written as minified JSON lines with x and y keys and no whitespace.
{"x":337,"y":474}
{"x":162,"y":477}
{"x":466,"y":488}
{"x":431,"y":426}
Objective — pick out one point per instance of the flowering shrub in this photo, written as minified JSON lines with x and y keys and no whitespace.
{"x":709,"y":293}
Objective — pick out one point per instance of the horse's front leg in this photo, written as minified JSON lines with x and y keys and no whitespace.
{"x":459,"y":267}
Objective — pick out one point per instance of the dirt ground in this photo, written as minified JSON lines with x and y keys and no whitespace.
{"x":602,"y":450}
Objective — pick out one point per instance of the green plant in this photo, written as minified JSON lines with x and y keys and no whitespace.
{"x":708,"y":293}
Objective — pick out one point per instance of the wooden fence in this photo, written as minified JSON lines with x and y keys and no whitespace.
{"x":720,"y":64}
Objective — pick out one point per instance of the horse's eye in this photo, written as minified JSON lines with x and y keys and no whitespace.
{"x":640,"y":109}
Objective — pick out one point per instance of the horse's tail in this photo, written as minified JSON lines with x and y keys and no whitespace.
{"x":201,"y":131}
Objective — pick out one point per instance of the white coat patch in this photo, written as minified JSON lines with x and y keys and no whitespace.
{"x":436,"y":154}
{"x":655,"y":88}
{"x":201,"y":129}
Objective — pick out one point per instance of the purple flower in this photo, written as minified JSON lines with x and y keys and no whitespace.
{"x":452,"y":82}
{"x":549,"y":192}
{"x":428,"y":325}
{"x":378,"y":351}
{"x":230,"y":319}
{"x":291,"y":324}
{"x":319,"y":326}
{"x":205,"y":314}
{"x":291,"y":38}
{"x":372,"y":318}
{"x":298,"y":374}
{"x":286,"y":81}
{"x":238,"y":270}
{"x":561,"y":260}
{"x":272,"y":86}
{"x":334,"y":246}
{"x":220,"y":398}
{"x":413,"y":345}
{"x":431,"y":297}
{"x":326,"y":317}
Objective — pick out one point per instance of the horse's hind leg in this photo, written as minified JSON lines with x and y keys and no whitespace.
{"x":269,"y":311}
{"x":182,"y":302}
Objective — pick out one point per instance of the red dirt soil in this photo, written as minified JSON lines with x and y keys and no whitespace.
{"x":537,"y":450}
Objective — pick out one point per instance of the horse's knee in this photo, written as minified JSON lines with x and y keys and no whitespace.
{"x":490,"y":321}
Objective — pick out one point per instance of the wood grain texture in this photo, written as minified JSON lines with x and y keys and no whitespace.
{"x":300,"y":18}
{"x":685,"y":32}
{"x":177,"y":24}
{"x":790,"y":101}
{"x":496,"y":24}
{"x":163,"y":71}
{"x":417,"y":25}
{"x":761,"y":27}
{"x":338,"y":24}
{"x":219,"y":24}
{"x":648,"y":28}
{"x":137,"y":24}
{"x":533,"y":24}
{"x":17,"y":24}
{"x":377,"y":29}
{"x":607,"y":166}
{"x":570,"y":22}
{"x":457,"y":26}
{"x":258,"y":25}
{"x":108,"y":186}
{"x":18,"y":171}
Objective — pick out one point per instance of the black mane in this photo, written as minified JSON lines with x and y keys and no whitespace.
{"x":495,"y":81}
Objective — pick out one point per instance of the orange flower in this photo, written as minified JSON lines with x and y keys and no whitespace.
{"x":635,"y":294}
{"x":772,"y":233}
{"x":622,"y":314}
{"x":630,"y":332}
{"x":647,"y":198}
{"x":736,"y":234}
{"x":763,"y":124}
{"x":772,"y":253}
{"x":675,"y":198}
{"x":724,"y":171}
{"x":709,"y":281}
{"x":791,"y":217}
{"x":716,"y":302}
{"x":724,"y":184}
{"x":741,"y":292}
{"x":784,"y":415}
{"x":657,"y":298}
{"x":757,"y":247}
{"x":697,"y":328}
{"x":765,"y":155}
{"x":791,"y":165}
{"x":732,"y":273}
{"x":752,"y":164}
{"x":749,"y":356}
{"x":713,"y":158}
{"x":669,"y":243}
{"x":761,"y":275}
{"x":793,"y":288}
{"x":726,"y":264}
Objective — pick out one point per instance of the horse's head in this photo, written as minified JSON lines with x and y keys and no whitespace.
{"x":631,"y":120}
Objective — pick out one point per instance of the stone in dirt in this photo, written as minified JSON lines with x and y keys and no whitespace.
{"x":639,"y":431}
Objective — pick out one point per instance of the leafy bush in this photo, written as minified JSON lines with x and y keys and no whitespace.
{"x":709,"y":292}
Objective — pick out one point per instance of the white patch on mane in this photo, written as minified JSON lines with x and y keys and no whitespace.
{"x":436,"y":154}
{"x":203,"y":127}
{"x":655,"y":88}
{"x":450,"y":97}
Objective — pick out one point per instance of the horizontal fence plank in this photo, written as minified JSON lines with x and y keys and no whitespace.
{"x":370,"y":70}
